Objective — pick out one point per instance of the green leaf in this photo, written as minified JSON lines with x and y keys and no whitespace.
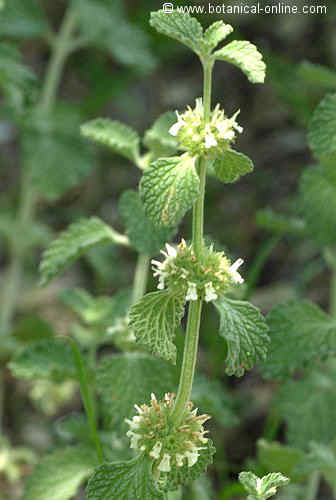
{"x":55,"y":154}
{"x":322,"y":128}
{"x":32,"y":328}
{"x":126,"y":379}
{"x":201,"y":489}
{"x":280,"y":223}
{"x":279,"y":457}
{"x":111,"y":31}
{"x":318,"y":201}
{"x":232,"y":165}
{"x":262,"y":488}
{"x":121,"y":138}
{"x":301,"y":334}
{"x":124,"y":481}
{"x":308,"y":407}
{"x":244,"y":328}
{"x":216,"y":33}
{"x":321,"y":458}
{"x":169,"y":188}
{"x":180,"y":26}
{"x":293,"y":492}
{"x":22,"y":19}
{"x":45,"y":359}
{"x":211,"y":397}
{"x":245,"y":56}
{"x":76,"y":239}
{"x":158,"y":139}
{"x":317,"y":76}
{"x":144,"y":236}
{"x":184,"y":475}
{"x":60,"y":473}
{"x":154,"y":320}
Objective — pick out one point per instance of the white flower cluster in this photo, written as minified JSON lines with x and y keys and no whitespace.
{"x":148,"y":433}
{"x":198,"y":136}
{"x":169,"y":269}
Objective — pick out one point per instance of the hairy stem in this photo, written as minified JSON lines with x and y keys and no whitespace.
{"x":195,"y":308}
{"x":313,"y":486}
{"x":141,"y":277}
{"x":28,"y":196}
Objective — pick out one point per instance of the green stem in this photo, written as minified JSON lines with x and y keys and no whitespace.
{"x":28,"y":196}
{"x":87,"y":398}
{"x":141,"y":277}
{"x":313,"y":486}
{"x":195,"y":308}
{"x":333,"y":293}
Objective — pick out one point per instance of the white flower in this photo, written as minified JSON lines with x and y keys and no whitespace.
{"x":192,"y":291}
{"x":155,"y":453}
{"x":134,"y":439}
{"x":134,"y":424}
{"x":174,"y":129}
{"x":210,"y":293}
{"x":234,"y":273}
{"x":171,"y":251}
{"x":164,"y":465}
{"x":235,"y":124}
{"x":179,"y":459}
{"x":192,"y":456}
{"x":210,"y":140}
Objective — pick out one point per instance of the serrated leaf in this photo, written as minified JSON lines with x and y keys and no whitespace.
{"x":318,"y":201}
{"x":184,"y":475}
{"x":55,"y":154}
{"x":121,"y":138}
{"x":154,"y":320}
{"x":45,"y":359}
{"x":274,"y":457}
{"x":180,"y":26}
{"x":76,"y":239}
{"x":158,"y":139}
{"x":216,"y":33}
{"x":244,"y":328}
{"x":262,"y":488}
{"x":212,"y":398}
{"x":124,"y":481}
{"x":111,"y":31}
{"x":301,"y":334}
{"x":60,"y":473}
{"x":232,"y":165}
{"x":322,"y":128}
{"x":126,"y":379}
{"x":22,"y":19}
{"x":308,"y":407}
{"x":245,"y":56}
{"x":144,"y":236}
{"x":169,"y":188}
{"x":280,"y":223}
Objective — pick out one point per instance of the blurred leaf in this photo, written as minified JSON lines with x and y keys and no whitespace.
{"x":244,"y":328}
{"x":22,"y":19}
{"x":211,"y":397}
{"x":301,"y":334}
{"x":245,"y":56}
{"x":32,"y":328}
{"x":232,"y":165}
{"x":112,"y":31}
{"x":60,"y":473}
{"x":124,"y":481}
{"x":180,"y":26}
{"x":158,"y":139}
{"x":169,"y":188}
{"x":322,"y":128}
{"x":293,"y":492}
{"x":73,"y":427}
{"x":308,"y":407}
{"x":154,"y":319}
{"x":277,"y":457}
{"x":54,"y":152}
{"x":201,"y":489}
{"x":320,"y":458}
{"x":118,"y":137}
{"x":71,"y":243}
{"x":317,"y":76}
{"x":318,"y":201}
{"x":280,"y":223}
{"x":262,"y":488}
{"x":144,"y":236}
{"x":126,"y":379}
{"x":46,"y":359}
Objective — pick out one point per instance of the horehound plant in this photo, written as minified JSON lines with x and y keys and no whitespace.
{"x":167,"y":435}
